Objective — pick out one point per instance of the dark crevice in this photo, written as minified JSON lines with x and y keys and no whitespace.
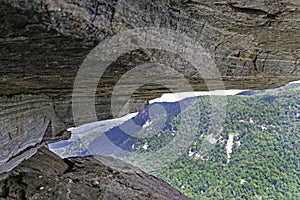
{"x":48,"y":132}
{"x":22,"y":195}
{"x":252,"y":11}
{"x":264,"y":63}
{"x":4,"y":190}
{"x":295,"y":66}
{"x":247,"y":10}
{"x":253,"y":58}
{"x":96,"y":11}
{"x":272,"y":16}
{"x":13,"y":188}
{"x":71,"y":165}
{"x":216,"y":47}
{"x":138,"y":174}
{"x":21,"y":192}
{"x":113,"y":12}
{"x":23,"y":151}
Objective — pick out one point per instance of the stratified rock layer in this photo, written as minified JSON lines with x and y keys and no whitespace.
{"x":255,"y":44}
{"x":27,"y":122}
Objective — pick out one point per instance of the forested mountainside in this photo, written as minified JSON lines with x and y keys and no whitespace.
{"x":264,"y":160}
{"x":252,"y":154}
{"x":43,"y":44}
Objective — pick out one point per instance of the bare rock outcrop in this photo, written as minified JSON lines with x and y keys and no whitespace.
{"x":46,"y":176}
{"x":255,"y":44}
{"x":27,"y":123}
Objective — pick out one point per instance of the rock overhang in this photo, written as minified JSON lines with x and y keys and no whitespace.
{"x":255,"y":45}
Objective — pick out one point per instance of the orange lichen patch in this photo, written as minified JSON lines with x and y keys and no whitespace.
{"x":253,"y":57}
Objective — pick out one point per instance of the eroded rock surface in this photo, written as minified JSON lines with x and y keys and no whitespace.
{"x":27,"y":122}
{"x":82,"y":178}
{"x":255,"y":44}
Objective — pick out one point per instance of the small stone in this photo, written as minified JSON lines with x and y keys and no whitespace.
{"x":96,"y":182}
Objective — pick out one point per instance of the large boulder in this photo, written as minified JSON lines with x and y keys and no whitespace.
{"x":46,"y":176}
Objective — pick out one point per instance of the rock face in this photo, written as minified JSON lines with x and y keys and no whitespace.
{"x":27,"y":122}
{"x":82,"y":178}
{"x":30,"y":171}
{"x":246,"y":38}
{"x":255,"y":45}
